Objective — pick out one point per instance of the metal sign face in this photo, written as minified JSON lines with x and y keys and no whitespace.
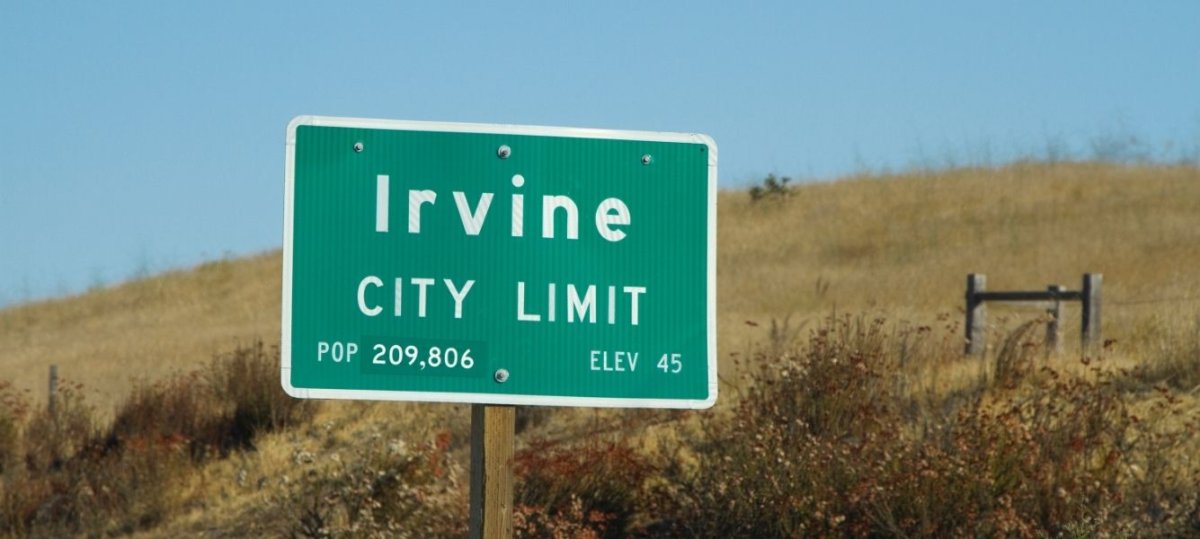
{"x":499,"y":264}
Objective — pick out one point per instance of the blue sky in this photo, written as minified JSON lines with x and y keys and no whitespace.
{"x":141,"y":136}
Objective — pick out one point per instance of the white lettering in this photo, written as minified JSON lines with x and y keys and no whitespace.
{"x":605,"y":218}
{"x":612,"y":215}
{"x":633,"y":292}
{"x":381,"y":203}
{"x":362,"y":295}
{"x":612,"y":305}
{"x":586,"y":307}
{"x":472,"y":220}
{"x":553,"y":202}
{"x":397,"y":295}
{"x":518,"y":208}
{"x":458,"y":294}
{"x":415,"y":199}
{"x":521,"y":315}
{"x":421,"y":294}
{"x":617,"y":361}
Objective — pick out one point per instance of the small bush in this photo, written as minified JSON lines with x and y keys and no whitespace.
{"x":246,"y":381}
{"x":569,"y":522}
{"x":52,"y":438}
{"x":181,"y":406}
{"x":14,"y":411}
{"x":388,"y":489}
{"x":595,"y":487}
{"x":772,"y":188}
{"x":217,"y":409}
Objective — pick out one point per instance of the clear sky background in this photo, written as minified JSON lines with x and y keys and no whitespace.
{"x":141,"y":136}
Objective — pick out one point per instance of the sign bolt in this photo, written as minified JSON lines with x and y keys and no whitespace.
{"x":504,"y":151}
{"x":501,"y":375}
{"x":646,"y":159}
{"x":358,"y":147}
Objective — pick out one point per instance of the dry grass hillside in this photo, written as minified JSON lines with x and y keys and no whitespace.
{"x":141,"y":329}
{"x":904,"y":244}
{"x":895,"y":248}
{"x":899,"y":244}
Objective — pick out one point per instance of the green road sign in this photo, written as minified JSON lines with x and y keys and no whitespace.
{"x":499,"y":264}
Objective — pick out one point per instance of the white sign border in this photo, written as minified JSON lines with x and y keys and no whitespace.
{"x":285,"y":346}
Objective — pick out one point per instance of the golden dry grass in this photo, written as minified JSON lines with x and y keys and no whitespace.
{"x":228,"y":496}
{"x":898,"y":245}
{"x":904,"y":244}
{"x":147,"y":328}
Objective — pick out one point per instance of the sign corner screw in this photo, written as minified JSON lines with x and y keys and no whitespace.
{"x":503,"y":151}
{"x":358,"y":147}
{"x":501,"y":375}
{"x":647,"y":159}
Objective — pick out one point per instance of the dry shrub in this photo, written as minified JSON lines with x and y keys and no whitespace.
{"x":51,"y":438}
{"x":1016,"y":357}
{"x":843,"y":378}
{"x":14,"y":411}
{"x":772,"y":188}
{"x":217,"y":409}
{"x":97,"y":493}
{"x":388,"y":489}
{"x":180,"y":406}
{"x":67,"y":482}
{"x":247,"y":382}
{"x":819,"y":446}
{"x":532,"y":417}
{"x":569,"y":522}
{"x":64,"y":476}
{"x":593,"y":488}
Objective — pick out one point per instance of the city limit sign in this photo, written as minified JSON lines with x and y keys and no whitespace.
{"x":499,"y":264}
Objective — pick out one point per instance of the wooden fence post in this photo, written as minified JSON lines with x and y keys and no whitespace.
{"x":976,"y":325}
{"x":1091,"y":310}
{"x":52,"y":397}
{"x":1054,"y":326}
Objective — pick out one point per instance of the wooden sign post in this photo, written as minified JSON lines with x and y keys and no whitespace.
{"x":492,"y":434}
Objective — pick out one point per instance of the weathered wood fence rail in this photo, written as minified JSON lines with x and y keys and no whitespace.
{"x":978,"y":296}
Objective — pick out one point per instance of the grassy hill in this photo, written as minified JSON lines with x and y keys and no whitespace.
{"x":142,"y":329}
{"x":904,"y":244}
{"x":901,"y":245}
{"x":897,"y":247}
